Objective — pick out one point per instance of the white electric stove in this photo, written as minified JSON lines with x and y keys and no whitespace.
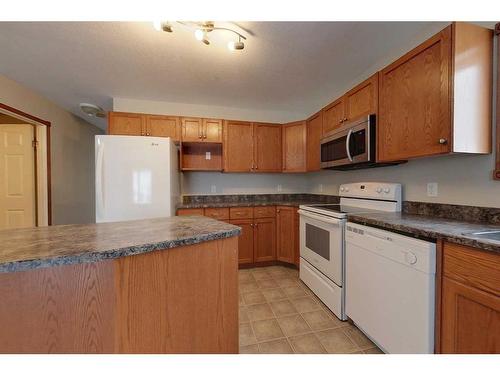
{"x":322,"y":237}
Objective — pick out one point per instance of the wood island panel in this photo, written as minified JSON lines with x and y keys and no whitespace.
{"x":181,"y":300}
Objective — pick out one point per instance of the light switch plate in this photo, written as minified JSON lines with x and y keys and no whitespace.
{"x":432,"y":189}
{"x":208,"y":155}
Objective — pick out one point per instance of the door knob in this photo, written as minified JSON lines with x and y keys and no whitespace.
{"x":443,"y":141}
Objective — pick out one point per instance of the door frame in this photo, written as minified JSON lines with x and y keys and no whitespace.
{"x":42,"y":162}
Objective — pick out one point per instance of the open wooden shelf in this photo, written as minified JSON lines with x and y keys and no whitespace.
{"x":194,"y":156}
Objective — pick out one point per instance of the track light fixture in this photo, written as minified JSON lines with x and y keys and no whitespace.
{"x":202,"y":30}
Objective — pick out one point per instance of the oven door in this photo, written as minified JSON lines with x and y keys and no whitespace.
{"x":322,"y":244}
{"x":349,"y":145}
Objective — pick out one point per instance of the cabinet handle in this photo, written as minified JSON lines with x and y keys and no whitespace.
{"x":345,"y":119}
{"x":278,"y":211}
{"x":256,"y":166}
{"x":341,"y":121}
{"x":443,"y":141}
{"x":148,"y":134}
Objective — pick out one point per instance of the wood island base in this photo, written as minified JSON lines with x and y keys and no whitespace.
{"x":180,"y":300}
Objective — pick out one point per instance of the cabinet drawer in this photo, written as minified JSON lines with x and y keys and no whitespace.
{"x":264,"y":211}
{"x":472,"y":267}
{"x":189,"y":211}
{"x":217,"y":213}
{"x":241,"y":212}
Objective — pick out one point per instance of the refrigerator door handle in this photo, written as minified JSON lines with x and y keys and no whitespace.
{"x":99,"y":180}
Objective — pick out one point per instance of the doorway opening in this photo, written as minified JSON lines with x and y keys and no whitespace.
{"x":24,"y":169}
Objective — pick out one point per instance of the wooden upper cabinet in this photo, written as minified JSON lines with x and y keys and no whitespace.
{"x":294,"y":147}
{"x":267,"y":147}
{"x":238,"y":146}
{"x":314,"y":125}
{"x":192,"y":129}
{"x":415,"y":107}
{"x":362,"y":100}
{"x":121,"y":123}
{"x":333,"y":116}
{"x":163,"y":126}
{"x":212,"y":130}
{"x":437,"y":98}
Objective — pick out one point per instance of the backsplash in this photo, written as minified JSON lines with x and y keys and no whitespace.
{"x":453,"y":211}
{"x":243,"y":198}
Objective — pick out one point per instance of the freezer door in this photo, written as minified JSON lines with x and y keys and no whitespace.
{"x":134,"y":178}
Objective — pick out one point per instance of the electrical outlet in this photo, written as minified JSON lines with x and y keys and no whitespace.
{"x":320,"y":188}
{"x":279,"y":188}
{"x":213,"y":188}
{"x":208,"y":155}
{"x":432,"y":189}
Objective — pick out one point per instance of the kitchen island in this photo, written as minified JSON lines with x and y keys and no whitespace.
{"x":165,"y":285}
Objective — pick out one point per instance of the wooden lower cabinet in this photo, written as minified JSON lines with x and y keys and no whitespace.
{"x":265,"y":239}
{"x":245,"y":240}
{"x":190,"y":211}
{"x":269,"y":233}
{"x":470,"y":301}
{"x":287,"y":233}
{"x":470,"y":320}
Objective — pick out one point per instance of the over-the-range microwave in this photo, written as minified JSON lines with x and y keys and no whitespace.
{"x":352,"y":146}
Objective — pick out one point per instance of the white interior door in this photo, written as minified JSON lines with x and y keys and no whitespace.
{"x":17,"y":176}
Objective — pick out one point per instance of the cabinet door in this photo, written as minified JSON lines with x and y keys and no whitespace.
{"x":267,"y":147}
{"x":238,"y":146}
{"x":191,"y":129}
{"x":265,"y":239}
{"x":333,"y":116}
{"x":245,"y":240}
{"x":294,"y":147}
{"x":120,"y":123}
{"x":163,"y":126}
{"x":286,"y":228}
{"x":362,"y":100}
{"x":212,"y":130}
{"x":415,"y":103}
{"x":314,"y":125}
{"x":470,"y":319}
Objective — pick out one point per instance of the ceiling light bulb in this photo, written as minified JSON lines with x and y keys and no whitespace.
{"x":235,"y":46}
{"x":199,"y":34}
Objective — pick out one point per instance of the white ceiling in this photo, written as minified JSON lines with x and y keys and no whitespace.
{"x":285,"y":66}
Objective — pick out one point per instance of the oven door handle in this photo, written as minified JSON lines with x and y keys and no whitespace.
{"x":318,"y":217}
{"x":347,"y":144}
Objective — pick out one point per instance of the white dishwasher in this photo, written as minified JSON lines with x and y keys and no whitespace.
{"x":390,"y":280}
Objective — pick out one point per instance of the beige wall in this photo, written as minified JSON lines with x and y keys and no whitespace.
{"x":194,"y":183}
{"x":72,"y":153}
{"x":462,"y":179}
{"x":199,"y":110}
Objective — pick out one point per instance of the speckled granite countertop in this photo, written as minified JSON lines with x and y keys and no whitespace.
{"x":30,"y":248}
{"x":459,"y":232}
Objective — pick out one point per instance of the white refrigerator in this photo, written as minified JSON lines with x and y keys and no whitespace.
{"x":136,"y":178}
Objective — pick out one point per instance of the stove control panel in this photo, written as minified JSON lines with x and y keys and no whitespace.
{"x":372,"y":190}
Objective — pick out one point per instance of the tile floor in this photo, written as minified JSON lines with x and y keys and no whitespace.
{"x":280,"y":314}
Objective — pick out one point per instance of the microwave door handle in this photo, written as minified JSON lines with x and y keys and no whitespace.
{"x":347,"y":141}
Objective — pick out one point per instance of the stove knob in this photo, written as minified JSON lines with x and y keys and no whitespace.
{"x":378,"y":190}
{"x":387,"y":190}
{"x":410,"y":258}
